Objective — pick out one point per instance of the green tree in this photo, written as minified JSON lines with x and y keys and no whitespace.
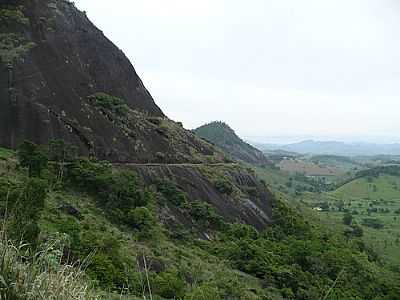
{"x":32,"y":157}
{"x":26,"y":205}
{"x":347,"y":219}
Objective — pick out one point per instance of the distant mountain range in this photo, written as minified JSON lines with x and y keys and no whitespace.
{"x":334,"y":148}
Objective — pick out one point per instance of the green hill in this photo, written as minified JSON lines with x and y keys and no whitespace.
{"x":153,"y":239}
{"x":221,"y":135}
{"x":374,"y":203}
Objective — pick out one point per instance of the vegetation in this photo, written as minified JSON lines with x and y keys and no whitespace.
{"x":39,"y":275}
{"x":109,"y":103}
{"x":109,"y":221}
{"x":372,"y":201}
{"x":13,"y":44}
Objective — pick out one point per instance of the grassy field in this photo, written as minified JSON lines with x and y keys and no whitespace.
{"x":366,"y":198}
{"x":308,"y":168}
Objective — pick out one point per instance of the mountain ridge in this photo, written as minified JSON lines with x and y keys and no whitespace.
{"x":220,"y":134}
{"x":335,"y":148}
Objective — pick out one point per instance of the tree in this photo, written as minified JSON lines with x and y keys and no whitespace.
{"x":26,"y":205}
{"x":32,"y":157}
{"x":340,"y":205}
{"x":357,"y":231}
{"x":60,"y":152}
{"x":347,"y":219}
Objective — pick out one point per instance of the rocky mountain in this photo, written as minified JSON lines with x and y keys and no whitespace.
{"x":221,"y":135}
{"x":150,"y":209}
{"x":61,"y":78}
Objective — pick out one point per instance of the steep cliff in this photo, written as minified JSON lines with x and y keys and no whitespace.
{"x":61,"y":78}
{"x":52,"y":59}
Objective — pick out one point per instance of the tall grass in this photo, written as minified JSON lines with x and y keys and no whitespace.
{"x":41,"y":275}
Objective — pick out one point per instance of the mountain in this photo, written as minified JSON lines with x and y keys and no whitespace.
{"x":151,"y":210}
{"x":221,"y":135}
{"x":60,"y":77}
{"x":335,"y":148}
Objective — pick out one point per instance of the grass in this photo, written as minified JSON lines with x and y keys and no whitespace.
{"x":40,"y":275}
{"x":377,"y":198}
{"x":5,"y":154}
{"x":384,"y":187}
{"x":308,"y":168}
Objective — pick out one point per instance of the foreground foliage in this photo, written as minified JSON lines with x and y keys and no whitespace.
{"x":27,"y":275}
{"x":111,"y":222}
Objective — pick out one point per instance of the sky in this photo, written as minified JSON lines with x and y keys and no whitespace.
{"x":274,"y":70}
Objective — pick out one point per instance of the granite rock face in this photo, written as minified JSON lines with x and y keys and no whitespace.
{"x":61,"y":78}
{"x":43,"y":91}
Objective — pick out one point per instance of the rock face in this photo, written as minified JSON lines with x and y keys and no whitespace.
{"x":69,"y":59}
{"x":61,"y":78}
{"x":248,"y":201}
{"x":221,"y":135}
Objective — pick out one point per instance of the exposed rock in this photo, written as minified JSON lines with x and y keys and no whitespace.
{"x":197,"y":183}
{"x":70,"y":210}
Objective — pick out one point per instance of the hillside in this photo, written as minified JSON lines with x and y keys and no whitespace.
{"x":61,"y":78}
{"x":154,"y":240}
{"x":374,"y":204}
{"x":221,"y":135}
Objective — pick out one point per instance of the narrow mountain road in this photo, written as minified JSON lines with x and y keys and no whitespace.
{"x":175,"y":164}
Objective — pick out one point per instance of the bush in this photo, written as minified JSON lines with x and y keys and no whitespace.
{"x":116,"y":191}
{"x":141,"y":219}
{"x":171,"y":193}
{"x":224,"y":186}
{"x":32,"y":157}
{"x":110,"y":103}
{"x":24,"y":204}
{"x":347,"y":219}
{"x":169,"y":285}
{"x":205,"y":214}
{"x":373,"y":223}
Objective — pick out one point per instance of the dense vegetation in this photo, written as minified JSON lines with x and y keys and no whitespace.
{"x":107,"y":221}
{"x":13,"y":45}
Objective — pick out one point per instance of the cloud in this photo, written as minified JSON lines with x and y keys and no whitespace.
{"x":267,"y":67}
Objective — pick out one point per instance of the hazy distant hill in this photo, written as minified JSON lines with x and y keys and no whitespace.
{"x":335,"y":148}
{"x":220,"y":134}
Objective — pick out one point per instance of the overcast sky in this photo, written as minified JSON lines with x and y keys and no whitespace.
{"x":269,"y":68}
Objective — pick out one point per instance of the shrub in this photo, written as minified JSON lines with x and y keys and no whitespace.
{"x":113,"y":190}
{"x":32,"y":157}
{"x":347,"y":219}
{"x":171,"y":193}
{"x":110,"y":103}
{"x":141,"y":219}
{"x":169,"y":285}
{"x":224,"y":186}
{"x":24,"y":204}
{"x":205,"y":214}
{"x":373,"y":223}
